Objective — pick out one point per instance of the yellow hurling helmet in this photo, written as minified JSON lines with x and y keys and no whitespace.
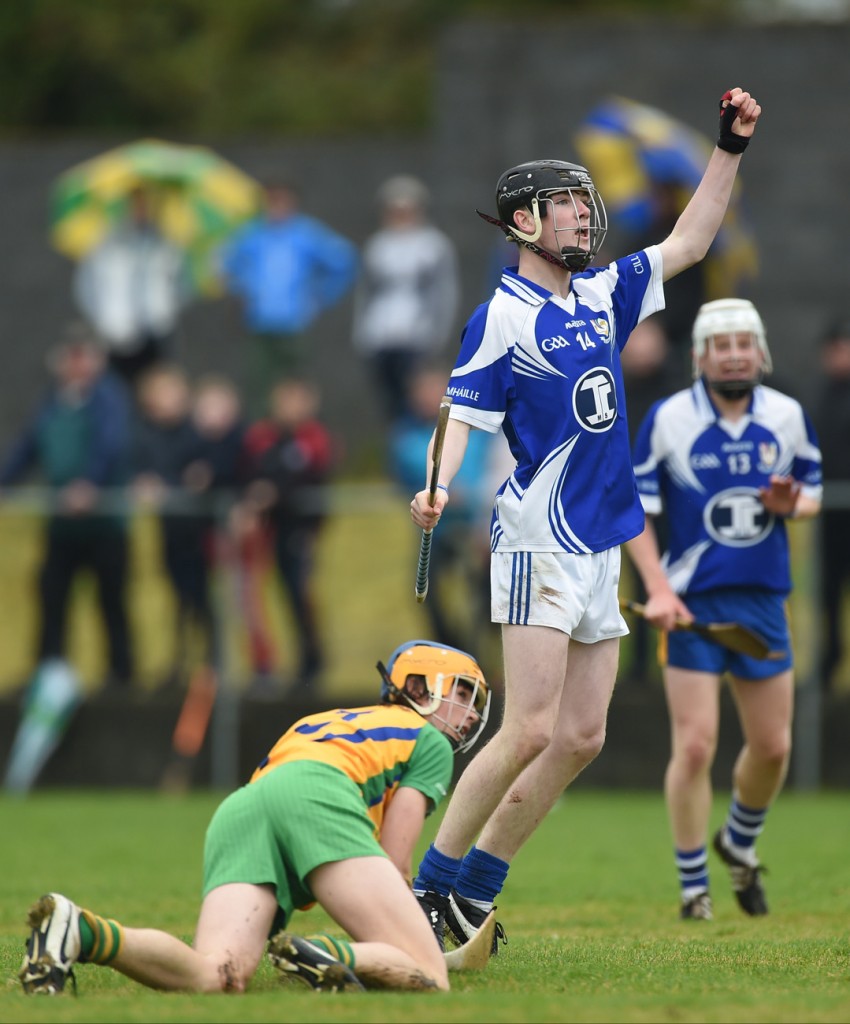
{"x":430,"y":677}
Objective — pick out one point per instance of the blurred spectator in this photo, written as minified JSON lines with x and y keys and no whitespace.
{"x":78,"y":439}
{"x":287,"y":268}
{"x":132,"y":288}
{"x":214,"y":477}
{"x":649,"y":374}
{"x":407,"y":295}
{"x":458,"y":594}
{"x":291,"y":455}
{"x":164,"y":445}
{"x":831,"y":416}
{"x":219,"y":427}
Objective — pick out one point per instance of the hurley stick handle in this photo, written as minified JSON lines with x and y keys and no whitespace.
{"x":424,"y":564}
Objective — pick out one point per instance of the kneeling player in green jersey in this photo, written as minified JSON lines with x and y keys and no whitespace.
{"x":331,"y":815}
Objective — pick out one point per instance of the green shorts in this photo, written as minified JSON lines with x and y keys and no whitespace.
{"x":276,"y":830}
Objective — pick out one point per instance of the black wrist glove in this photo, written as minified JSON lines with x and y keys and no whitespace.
{"x":728,"y":140}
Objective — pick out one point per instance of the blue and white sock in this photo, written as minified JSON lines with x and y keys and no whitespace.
{"x":743,"y":826}
{"x":692,"y":866}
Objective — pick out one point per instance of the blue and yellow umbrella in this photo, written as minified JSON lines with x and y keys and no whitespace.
{"x":629,"y":148}
{"x":197,"y":198}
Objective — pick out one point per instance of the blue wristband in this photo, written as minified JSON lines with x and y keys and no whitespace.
{"x":442,"y":487}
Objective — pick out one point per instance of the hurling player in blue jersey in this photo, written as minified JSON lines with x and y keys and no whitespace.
{"x":731,"y":460}
{"x":541,"y":361}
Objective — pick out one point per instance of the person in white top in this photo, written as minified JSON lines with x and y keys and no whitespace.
{"x":132,"y":289}
{"x":407,"y":294}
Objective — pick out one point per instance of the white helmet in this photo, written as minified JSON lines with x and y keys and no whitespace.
{"x":728,"y":316}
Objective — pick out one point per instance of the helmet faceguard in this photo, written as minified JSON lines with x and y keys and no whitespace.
{"x":531,"y":186}
{"x":729,"y":316}
{"x":430,"y":678}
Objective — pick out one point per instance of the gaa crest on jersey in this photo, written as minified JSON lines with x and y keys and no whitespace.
{"x":595,"y":400}
{"x":602,"y":327}
{"x":768,"y":454}
{"x":736,"y":518}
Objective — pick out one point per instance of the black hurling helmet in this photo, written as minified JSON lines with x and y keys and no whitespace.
{"x":529,"y":184}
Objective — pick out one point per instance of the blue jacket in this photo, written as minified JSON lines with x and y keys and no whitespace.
{"x":287,"y":272}
{"x":89,"y":441}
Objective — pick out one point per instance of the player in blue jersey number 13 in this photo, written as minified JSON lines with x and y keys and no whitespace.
{"x":731,"y":460}
{"x":541,"y":361}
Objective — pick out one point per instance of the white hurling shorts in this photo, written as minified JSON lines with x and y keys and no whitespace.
{"x":577,"y":594}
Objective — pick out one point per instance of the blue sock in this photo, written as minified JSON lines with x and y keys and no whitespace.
{"x":481,"y":876}
{"x":437,"y":872}
{"x":692,"y":866}
{"x":744,"y":824}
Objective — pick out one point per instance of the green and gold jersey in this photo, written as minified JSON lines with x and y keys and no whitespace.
{"x":380,"y":748}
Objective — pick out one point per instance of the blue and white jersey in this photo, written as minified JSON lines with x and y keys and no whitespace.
{"x":547,"y":370}
{"x":706,"y":472}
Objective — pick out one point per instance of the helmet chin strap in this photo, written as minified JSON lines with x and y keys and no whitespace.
{"x":732,"y":389}
{"x":573,"y":259}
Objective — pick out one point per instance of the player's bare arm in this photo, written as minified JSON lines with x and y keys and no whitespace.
{"x":402,"y":826}
{"x":700,"y":221}
{"x":454,"y":449}
{"x":663,"y":606}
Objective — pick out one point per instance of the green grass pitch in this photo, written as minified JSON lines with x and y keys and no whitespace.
{"x":589,"y":908}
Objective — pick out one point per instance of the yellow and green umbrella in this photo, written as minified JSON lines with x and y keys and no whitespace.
{"x":197,"y":197}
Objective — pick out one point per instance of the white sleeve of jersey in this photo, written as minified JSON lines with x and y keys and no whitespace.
{"x":479,"y":418}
